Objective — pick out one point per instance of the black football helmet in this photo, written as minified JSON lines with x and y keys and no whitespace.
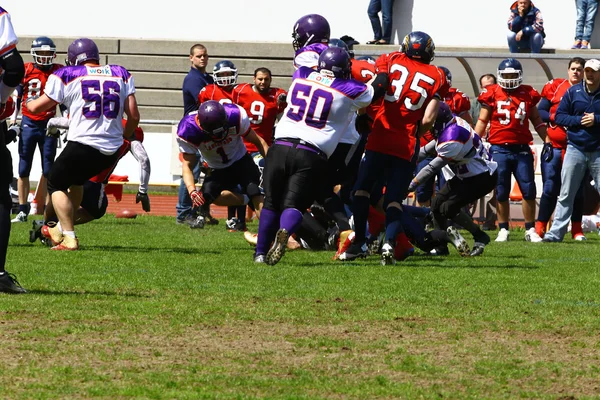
{"x":309,"y":29}
{"x":335,"y":62}
{"x":225,"y":73}
{"x":82,"y":50}
{"x":43,"y":44}
{"x":213,"y":119}
{"x":448,"y":74}
{"x":419,"y":46}
{"x":510,"y":74}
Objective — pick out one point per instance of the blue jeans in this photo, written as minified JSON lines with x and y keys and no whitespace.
{"x":533,"y":42}
{"x":573,"y":170}
{"x":386,"y":8}
{"x":586,"y":14}
{"x":184,"y":202}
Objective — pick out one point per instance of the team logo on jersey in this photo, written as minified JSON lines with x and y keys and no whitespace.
{"x":317,"y":77}
{"x":105,"y":70}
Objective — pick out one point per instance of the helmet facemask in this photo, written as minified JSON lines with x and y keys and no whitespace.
{"x":510,"y":78}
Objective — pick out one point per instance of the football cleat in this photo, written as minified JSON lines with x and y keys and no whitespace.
{"x":277,"y":251}
{"x":532,"y":236}
{"x":503,"y":235}
{"x":579,"y":237}
{"x":10,"y":284}
{"x":259,"y":258}
{"x":52,"y":233}
{"x":197,"y":223}
{"x":251,"y":238}
{"x":387,"y":255}
{"x":345,"y":240}
{"x":458,"y":241}
{"x":68,"y":244}
{"x":36,"y":231}
{"x":440,"y":251}
{"x":20,"y":217}
{"x":482,"y":239}
{"x":354,"y":251}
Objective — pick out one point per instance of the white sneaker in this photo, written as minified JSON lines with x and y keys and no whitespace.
{"x":21,"y":217}
{"x":532,"y":236}
{"x":580,"y":238}
{"x":503,"y":235}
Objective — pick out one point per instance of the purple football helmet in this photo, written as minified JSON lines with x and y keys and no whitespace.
{"x":419,"y":46}
{"x":312,"y":28}
{"x":448,"y":74}
{"x":213,"y":119}
{"x":82,"y":50}
{"x":443,"y":120}
{"x":335,"y":62}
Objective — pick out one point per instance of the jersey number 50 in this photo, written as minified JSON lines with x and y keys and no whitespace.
{"x":398,"y":85}
{"x":311,"y":106}
{"x":104,"y":98}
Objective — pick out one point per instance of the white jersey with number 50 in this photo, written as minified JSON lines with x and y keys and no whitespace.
{"x":95,"y":97}
{"x":320,"y":108}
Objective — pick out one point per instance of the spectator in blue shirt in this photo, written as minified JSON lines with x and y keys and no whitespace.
{"x":526,"y":27}
{"x":193,"y":82}
{"x":579,"y":112}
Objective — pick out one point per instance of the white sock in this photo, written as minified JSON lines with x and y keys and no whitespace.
{"x":69,"y":233}
{"x":59,"y":226}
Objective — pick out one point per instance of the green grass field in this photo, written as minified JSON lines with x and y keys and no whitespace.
{"x":149,"y":309}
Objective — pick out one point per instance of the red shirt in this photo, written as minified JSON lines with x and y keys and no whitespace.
{"x":363,"y":71}
{"x":510,"y":113}
{"x":33,"y":84}
{"x":412,"y":86}
{"x":262,"y":110}
{"x":553,"y":91}
{"x":215,"y":92}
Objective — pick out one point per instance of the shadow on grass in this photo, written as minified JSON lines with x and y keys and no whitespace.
{"x":182,"y":250}
{"x":86,"y":293}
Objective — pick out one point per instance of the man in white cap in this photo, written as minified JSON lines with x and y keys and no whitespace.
{"x":579,"y":112}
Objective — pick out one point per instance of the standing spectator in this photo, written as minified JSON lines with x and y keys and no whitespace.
{"x":382,"y":29}
{"x":13,"y":71}
{"x":33,"y":127}
{"x":408,"y":110}
{"x":95,"y":133}
{"x":526,"y":27}
{"x":552,"y":155}
{"x":584,"y":25}
{"x":509,"y":106}
{"x":579,"y":112}
{"x":196,"y":79}
{"x":297,"y":162}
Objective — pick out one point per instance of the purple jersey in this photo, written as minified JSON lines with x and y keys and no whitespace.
{"x":217,"y":154}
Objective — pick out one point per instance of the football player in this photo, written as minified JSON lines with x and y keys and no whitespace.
{"x":304,"y":139}
{"x":509,"y":106}
{"x":469,"y":173}
{"x":310,"y":38}
{"x":216,"y":130}
{"x":552,"y":155}
{"x":393,"y":139}
{"x":33,"y":126}
{"x":95,"y":133}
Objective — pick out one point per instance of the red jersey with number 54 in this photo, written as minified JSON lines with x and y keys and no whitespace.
{"x":33,"y":84}
{"x":262,"y":110}
{"x":412,"y":86}
{"x":510,"y":113}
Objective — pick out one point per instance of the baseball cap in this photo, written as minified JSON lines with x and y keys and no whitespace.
{"x":593,"y":64}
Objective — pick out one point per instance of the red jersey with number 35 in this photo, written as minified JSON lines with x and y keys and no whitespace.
{"x":510,"y":113}
{"x":262,"y":110}
{"x":33,"y":83}
{"x":215,"y":92}
{"x":553,"y":91}
{"x":412,"y":86}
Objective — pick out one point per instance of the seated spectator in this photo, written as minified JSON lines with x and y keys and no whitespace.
{"x":584,"y":25}
{"x":526,"y":27}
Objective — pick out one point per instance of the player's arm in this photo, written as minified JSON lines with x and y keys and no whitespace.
{"x":430,"y":115}
{"x":259,"y":142}
{"x":428,"y":150}
{"x":380,"y":84}
{"x":544,"y":109}
{"x":466,"y":115}
{"x":538,"y":124}
{"x":133,"y":116}
{"x":427,"y":172}
{"x":139,"y":153}
{"x":482,"y":122}
{"x":563,"y":115}
{"x":37,"y":105}
{"x":17,"y":96}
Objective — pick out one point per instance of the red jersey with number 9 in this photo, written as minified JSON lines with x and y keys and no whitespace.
{"x":33,"y":84}
{"x":412,"y":86}
{"x":262,"y":110}
{"x":510,"y":113}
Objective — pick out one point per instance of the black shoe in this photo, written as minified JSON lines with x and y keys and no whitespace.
{"x":440,"y":251}
{"x":278,"y":249}
{"x":10,"y":284}
{"x":36,"y":231}
{"x":354,"y":251}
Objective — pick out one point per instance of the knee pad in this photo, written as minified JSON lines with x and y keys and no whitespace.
{"x":502,"y":193}
{"x":14,"y":68}
{"x":253,"y":190}
{"x":528,"y":189}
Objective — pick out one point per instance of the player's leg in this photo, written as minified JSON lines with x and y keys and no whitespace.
{"x":502,"y":156}
{"x":525,"y":177}
{"x":551,"y":189}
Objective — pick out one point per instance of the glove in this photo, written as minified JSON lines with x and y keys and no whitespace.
{"x":143,"y":197}
{"x":11,"y":134}
{"x":547,"y":152}
{"x":52,"y":131}
{"x":197,"y":198}
{"x":363,"y":124}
